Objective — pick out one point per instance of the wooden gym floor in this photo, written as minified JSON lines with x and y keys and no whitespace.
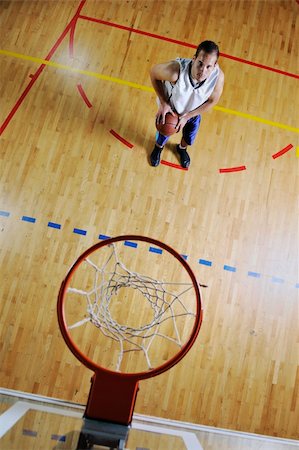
{"x":66,"y":179}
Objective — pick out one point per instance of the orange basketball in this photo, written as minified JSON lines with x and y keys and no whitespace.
{"x":168,"y":128}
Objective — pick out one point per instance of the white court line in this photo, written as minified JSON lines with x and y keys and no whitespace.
{"x":10,"y":417}
{"x":189,"y":439}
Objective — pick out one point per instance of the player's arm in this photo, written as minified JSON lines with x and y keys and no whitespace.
{"x":169,"y":71}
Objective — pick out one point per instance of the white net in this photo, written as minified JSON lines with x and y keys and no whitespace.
{"x":167,"y":316}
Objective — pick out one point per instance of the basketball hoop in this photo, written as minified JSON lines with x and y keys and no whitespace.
{"x":108,"y":283}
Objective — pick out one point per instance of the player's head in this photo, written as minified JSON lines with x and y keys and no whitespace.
{"x":204,"y":60}
{"x":208,"y":47}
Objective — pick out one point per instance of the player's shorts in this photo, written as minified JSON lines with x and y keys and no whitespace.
{"x":189,"y":132}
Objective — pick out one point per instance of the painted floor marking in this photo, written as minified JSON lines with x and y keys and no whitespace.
{"x":83,"y":95}
{"x":97,"y":75}
{"x":54,"y":225}
{"x":175,"y":166}
{"x":283,"y":151}
{"x":28,"y":219}
{"x":121,"y":139}
{"x":35,"y":76}
{"x":185,"y":44}
{"x":229,"y":268}
{"x":204,"y":262}
{"x":232,"y":169}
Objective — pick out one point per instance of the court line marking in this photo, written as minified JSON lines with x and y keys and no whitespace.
{"x":254,"y":274}
{"x":204,"y":262}
{"x":4,"y":213}
{"x":27,"y":432}
{"x":229,"y":268}
{"x":121,"y":139}
{"x":58,"y":437}
{"x":97,"y":75}
{"x":283,"y":151}
{"x":54,"y":225}
{"x":80,"y":231}
{"x":176,"y":166}
{"x":28,"y":219}
{"x":185,"y":44}
{"x":232,"y":169}
{"x":83,"y":95}
{"x":35,"y":76}
{"x":11,"y":416}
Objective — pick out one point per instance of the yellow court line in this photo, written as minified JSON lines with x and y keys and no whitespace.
{"x":139,"y":86}
{"x":297,"y":152}
{"x":256,"y":118}
{"x":74,"y":69}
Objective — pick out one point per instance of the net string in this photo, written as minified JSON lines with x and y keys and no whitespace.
{"x":106,"y":285}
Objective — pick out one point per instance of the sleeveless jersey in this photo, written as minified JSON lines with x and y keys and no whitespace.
{"x":183,"y":95}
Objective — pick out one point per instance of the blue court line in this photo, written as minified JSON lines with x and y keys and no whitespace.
{"x":54,"y":225}
{"x":4,"y":213}
{"x":155,"y":250}
{"x":58,"y":437}
{"x":277,"y":280}
{"x":204,"y":262}
{"x":254,"y":274}
{"x":29,"y":433}
{"x":131,"y":244}
{"x":229,"y":268}
{"x":79,"y":231}
{"x":28,"y":219}
{"x":103,"y":236}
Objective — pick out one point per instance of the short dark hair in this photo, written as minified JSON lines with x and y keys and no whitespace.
{"x":208,"y":47}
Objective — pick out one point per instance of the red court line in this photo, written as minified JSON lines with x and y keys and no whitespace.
{"x":186,"y":44}
{"x":83,"y":95}
{"x":176,"y":166}
{"x":281,"y":152}
{"x":121,"y":139}
{"x":232,"y":169}
{"x":71,"y":43}
{"x":72,"y":32}
{"x":134,"y":30}
{"x":40,"y":69}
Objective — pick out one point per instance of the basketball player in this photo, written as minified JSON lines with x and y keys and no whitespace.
{"x":187,"y":87}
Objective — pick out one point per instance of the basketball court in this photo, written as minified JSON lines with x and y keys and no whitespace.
{"x":77,"y":127}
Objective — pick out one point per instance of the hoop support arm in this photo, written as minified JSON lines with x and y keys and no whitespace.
{"x":111,"y":398}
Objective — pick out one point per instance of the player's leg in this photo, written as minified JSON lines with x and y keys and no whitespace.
{"x":190,"y":131}
{"x":159,"y":145}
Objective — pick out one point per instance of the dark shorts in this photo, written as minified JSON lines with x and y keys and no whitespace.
{"x":189,"y":132}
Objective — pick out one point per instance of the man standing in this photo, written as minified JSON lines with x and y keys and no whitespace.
{"x":187,"y":87}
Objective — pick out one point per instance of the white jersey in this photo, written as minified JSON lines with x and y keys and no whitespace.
{"x":185,"y":96}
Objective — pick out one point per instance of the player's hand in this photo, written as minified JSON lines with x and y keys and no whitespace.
{"x":162,"y":111}
{"x":182,"y":122}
